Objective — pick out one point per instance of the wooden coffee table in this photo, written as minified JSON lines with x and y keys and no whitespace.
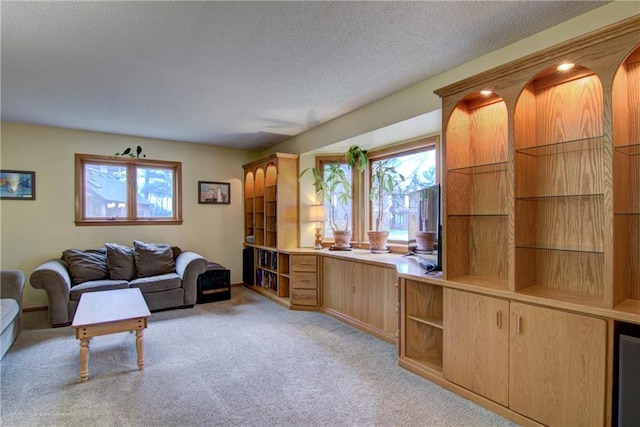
{"x":109,"y":312}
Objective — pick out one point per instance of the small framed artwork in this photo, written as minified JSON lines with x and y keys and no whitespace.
{"x":214,"y":193}
{"x":17,"y":185}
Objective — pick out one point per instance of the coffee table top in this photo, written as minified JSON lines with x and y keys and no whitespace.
{"x":110,"y":306}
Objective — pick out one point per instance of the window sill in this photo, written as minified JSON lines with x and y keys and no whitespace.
{"x":92,"y":222}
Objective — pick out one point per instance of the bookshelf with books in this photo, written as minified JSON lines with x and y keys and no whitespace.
{"x":271,"y":221}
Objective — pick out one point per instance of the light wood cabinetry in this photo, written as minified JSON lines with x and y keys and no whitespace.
{"x":271,"y":221}
{"x":559,"y":186}
{"x":421,"y":340}
{"x":541,"y":231}
{"x":542,"y":184}
{"x":548,"y":365}
{"x":477,"y":192}
{"x":626,"y":178}
{"x":304,"y":280}
{"x":557,"y":366}
{"x":476,"y":343}
{"x":362,"y":295}
{"x":271,"y":201}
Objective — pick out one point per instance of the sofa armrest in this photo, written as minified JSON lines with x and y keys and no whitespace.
{"x":12,"y":285}
{"x":53,"y":277}
{"x":190,"y":265}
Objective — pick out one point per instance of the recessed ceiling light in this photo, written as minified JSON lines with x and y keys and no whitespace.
{"x":565,"y":66}
{"x":486,"y":92}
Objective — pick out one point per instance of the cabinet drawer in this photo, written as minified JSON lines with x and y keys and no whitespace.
{"x":304,"y":297}
{"x":304,"y":263}
{"x":304,"y":280}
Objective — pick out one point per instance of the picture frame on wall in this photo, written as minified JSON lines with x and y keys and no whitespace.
{"x":17,"y":185}
{"x":214,"y":193}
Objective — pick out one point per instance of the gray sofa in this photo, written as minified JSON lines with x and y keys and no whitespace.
{"x":166,"y":276}
{"x":11,"y":290}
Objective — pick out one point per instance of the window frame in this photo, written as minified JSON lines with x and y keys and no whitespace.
{"x":131,"y":164}
{"x":320,"y":162}
{"x":402,"y":149}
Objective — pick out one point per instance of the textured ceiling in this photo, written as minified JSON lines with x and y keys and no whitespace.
{"x":240,"y":74}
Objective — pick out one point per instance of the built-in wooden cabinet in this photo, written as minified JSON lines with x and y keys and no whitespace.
{"x":557,"y":366}
{"x":560,"y":182}
{"x":361,"y":294}
{"x":304,"y":280}
{"x":541,"y":231}
{"x":421,"y":320}
{"x":476,"y":343}
{"x":271,"y":221}
{"x":477,"y":221}
{"x":542,"y":183}
{"x":545,"y":364}
{"x":626,"y":178}
{"x":271,"y":201}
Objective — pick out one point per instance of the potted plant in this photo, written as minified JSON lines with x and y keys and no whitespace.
{"x":336,"y":189}
{"x":385,"y":179}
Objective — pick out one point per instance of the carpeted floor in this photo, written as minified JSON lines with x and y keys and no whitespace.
{"x":243,"y":362}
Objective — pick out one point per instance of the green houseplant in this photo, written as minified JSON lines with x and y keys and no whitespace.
{"x":385,"y":179}
{"x":335,"y":188}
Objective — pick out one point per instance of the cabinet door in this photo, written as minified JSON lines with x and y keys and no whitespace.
{"x":476,"y":343}
{"x":557,"y":369}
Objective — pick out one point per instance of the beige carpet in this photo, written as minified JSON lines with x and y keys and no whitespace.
{"x":243,"y":362}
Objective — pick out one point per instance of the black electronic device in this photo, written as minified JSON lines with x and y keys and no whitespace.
{"x":425,"y":228}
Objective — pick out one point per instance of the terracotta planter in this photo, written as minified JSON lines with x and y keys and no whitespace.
{"x":342,"y":240}
{"x":378,"y":241}
{"x":425,"y":240}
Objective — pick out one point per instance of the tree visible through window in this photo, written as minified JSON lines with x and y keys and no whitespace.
{"x":419,"y":171}
{"x":126,"y":190}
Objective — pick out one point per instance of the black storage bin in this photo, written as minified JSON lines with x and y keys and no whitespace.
{"x":214,"y":284}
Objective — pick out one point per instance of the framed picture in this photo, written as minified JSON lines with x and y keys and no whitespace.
{"x":214,"y":193}
{"x":17,"y":185}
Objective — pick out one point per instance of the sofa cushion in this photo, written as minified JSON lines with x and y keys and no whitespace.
{"x":153,"y":259}
{"x":86,"y":266}
{"x":163,"y":282}
{"x":121,"y":262}
{"x":97,"y":285}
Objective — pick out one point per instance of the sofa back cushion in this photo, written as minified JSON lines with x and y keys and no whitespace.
{"x":121,"y":262}
{"x":153,"y":259}
{"x":85,"y":266}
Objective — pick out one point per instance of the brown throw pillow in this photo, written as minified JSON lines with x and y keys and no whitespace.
{"x":85,"y":266}
{"x":121,"y":261}
{"x":153,"y":259}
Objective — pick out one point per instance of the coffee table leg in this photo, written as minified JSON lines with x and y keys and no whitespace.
{"x":140,"y":347}
{"x":84,"y":359}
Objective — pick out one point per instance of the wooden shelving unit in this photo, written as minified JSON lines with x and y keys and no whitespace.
{"x":626,"y":178}
{"x":421,"y":323}
{"x":559,"y":185}
{"x":541,"y":230}
{"x":271,"y":221}
{"x":476,"y":221}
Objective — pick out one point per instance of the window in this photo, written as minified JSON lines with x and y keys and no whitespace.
{"x":339,"y":211}
{"x":417,"y":164}
{"x":113,"y":190}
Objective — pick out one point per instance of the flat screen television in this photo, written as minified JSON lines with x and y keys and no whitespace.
{"x":425,"y":228}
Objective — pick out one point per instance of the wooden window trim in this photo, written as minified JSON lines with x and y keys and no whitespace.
{"x":130,"y":164}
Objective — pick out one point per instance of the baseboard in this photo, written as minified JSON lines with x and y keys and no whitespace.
{"x":29,"y":309}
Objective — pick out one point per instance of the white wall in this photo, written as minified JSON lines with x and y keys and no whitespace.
{"x":34,"y":231}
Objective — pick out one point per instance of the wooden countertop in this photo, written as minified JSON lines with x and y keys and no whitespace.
{"x":407,"y":267}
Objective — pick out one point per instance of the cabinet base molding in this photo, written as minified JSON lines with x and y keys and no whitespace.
{"x":384,"y":336}
{"x":436,"y":377}
{"x":270,"y":295}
